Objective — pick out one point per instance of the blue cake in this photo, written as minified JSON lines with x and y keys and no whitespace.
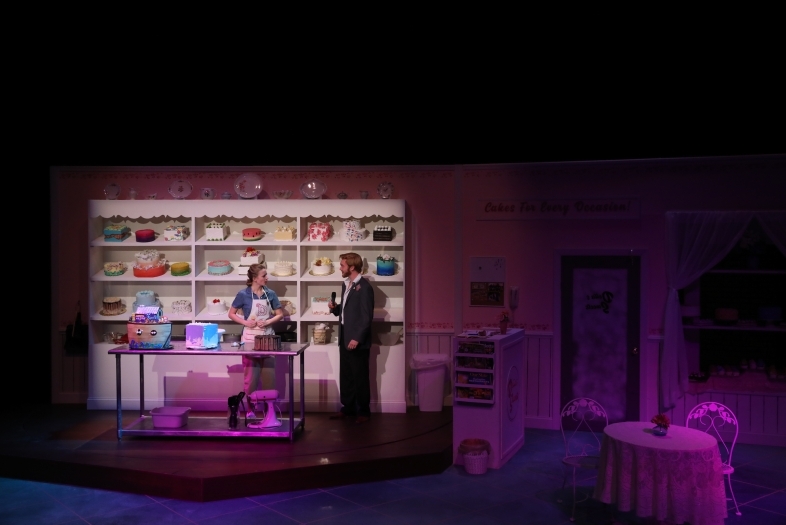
{"x":386,"y":265}
{"x":201,"y":335}
{"x":116,"y":233}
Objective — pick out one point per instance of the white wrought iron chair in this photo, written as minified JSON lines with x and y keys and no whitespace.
{"x":718,"y":420}
{"x":582,"y":421}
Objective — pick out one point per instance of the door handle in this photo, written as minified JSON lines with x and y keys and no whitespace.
{"x":635,"y":351}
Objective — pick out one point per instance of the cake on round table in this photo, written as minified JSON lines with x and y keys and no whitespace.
{"x":322,"y":266}
{"x":116,"y":233}
{"x":283,"y":268}
{"x":220,"y":267}
{"x":252,"y":234}
{"x":115,"y":268}
{"x":284,"y":233}
{"x":146,"y":298}
{"x":318,"y":231}
{"x":149,"y":264}
{"x":251,"y":256}
{"x":145,"y":235}
{"x":176,"y":232}
{"x":112,"y":306}
{"x":180,"y":268}
{"x":182,"y":306}
{"x":217,"y":307}
{"x":386,"y":265}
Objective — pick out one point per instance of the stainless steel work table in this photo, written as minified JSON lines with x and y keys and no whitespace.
{"x":212,"y":426}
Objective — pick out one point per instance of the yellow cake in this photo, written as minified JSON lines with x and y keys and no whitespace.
{"x":180,"y":268}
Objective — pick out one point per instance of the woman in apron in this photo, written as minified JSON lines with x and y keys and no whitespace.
{"x":256,"y":307}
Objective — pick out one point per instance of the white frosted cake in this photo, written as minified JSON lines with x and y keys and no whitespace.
{"x":251,"y":256}
{"x":319,"y":231}
{"x":283,"y":268}
{"x":216,"y":231}
{"x":182,"y":306}
{"x":217,"y":307}
{"x":284,"y":233}
{"x":319,"y":305}
{"x":322,"y":266}
{"x":352,"y":231}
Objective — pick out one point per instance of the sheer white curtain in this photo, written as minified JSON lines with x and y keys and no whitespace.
{"x":695,"y":242}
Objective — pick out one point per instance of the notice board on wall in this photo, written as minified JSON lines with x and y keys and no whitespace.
{"x":487,"y":281}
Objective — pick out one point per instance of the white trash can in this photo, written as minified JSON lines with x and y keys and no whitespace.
{"x":431,"y":380}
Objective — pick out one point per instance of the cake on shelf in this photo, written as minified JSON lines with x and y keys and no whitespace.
{"x":284,"y":233}
{"x":352,"y":231}
{"x":726,"y":315}
{"x":112,"y":306}
{"x":201,"y":335}
{"x":145,"y":235}
{"x":116,"y":233}
{"x":319,"y":305}
{"x":386,"y":265}
{"x":283,"y":268}
{"x":217,"y":307}
{"x":322,"y":266}
{"x":149,"y":264}
{"x":181,"y":306}
{"x":251,"y":256}
{"x":216,"y":231}
{"x":383,"y":233}
{"x":146,"y":298}
{"x":252,"y":234}
{"x":115,"y":268}
{"x":220,"y":267}
{"x":176,"y":232}
{"x":180,"y":268}
{"x":319,"y":231}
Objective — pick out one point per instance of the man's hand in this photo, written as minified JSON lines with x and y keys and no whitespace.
{"x":352,"y":345}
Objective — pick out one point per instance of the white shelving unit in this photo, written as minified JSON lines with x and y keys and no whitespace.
{"x":205,"y":384}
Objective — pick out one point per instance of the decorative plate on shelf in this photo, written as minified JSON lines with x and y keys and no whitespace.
{"x":248,"y":185}
{"x":313,"y":189}
{"x":180,"y":189}
{"x":111,"y":191}
{"x":385,"y":190}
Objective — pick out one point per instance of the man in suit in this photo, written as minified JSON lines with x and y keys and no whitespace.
{"x":355,"y":313}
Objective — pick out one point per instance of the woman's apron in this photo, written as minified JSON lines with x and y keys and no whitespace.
{"x":260,"y":309}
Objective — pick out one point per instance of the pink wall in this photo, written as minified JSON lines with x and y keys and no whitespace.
{"x":442,"y":231}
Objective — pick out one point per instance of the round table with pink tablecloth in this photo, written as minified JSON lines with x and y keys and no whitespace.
{"x":677,"y":477}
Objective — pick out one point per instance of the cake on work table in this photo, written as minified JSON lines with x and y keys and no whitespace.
{"x":284,"y":233}
{"x":112,"y":306}
{"x":176,"y":232}
{"x":216,"y":231}
{"x":251,"y":256}
{"x":116,"y":233}
{"x":201,"y":335}
{"x":352,"y":231}
{"x":386,"y":265}
{"x":180,"y":268}
{"x":216,"y":307}
{"x":115,"y":268}
{"x":322,"y":266}
{"x":319,"y":231}
{"x":220,"y":267}
{"x":149,"y":264}
{"x":383,"y":233}
{"x":149,"y":335}
{"x":181,"y":306}
{"x":319,"y":305}
{"x":145,"y":235}
{"x":252,"y":234}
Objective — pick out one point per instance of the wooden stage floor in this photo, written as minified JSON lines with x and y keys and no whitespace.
{"x":69,"y":444}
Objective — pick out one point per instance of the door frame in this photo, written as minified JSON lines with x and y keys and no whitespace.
{"x":644,"y":358}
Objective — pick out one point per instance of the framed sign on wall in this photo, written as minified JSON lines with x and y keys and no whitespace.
{"x":486,"y":281}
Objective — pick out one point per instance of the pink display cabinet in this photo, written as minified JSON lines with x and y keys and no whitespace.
{"x":488,"y":397}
